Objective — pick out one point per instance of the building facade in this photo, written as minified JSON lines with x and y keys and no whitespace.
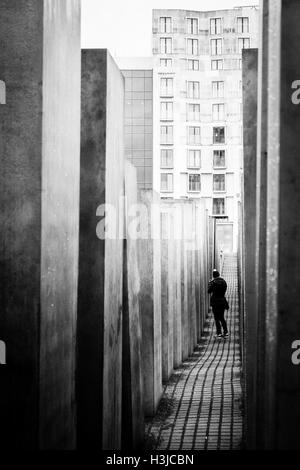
{"x":138,"y":78}
{"x":197,"y":105}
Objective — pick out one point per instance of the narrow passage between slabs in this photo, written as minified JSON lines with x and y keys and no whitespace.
{"x":201,"y":407}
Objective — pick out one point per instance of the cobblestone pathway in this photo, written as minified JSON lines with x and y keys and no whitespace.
{"x":201,"y":408}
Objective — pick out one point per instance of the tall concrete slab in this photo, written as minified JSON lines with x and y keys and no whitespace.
{"x":190,"y":253}
{"x":167,"y":291}
{"x":39,"y":199}
{"x":165,"y":324}
{"x":190,"y":250}
{"x":283,"y":227}
{"x":113,"y":261}
{"x":276,"y":399}
{"x":241,"y":285}
{"x":184,"y":290}
{"x":201,"y":243}
{"x":250,"y":64}
{"x":149,"y":264}
{"x":261,"y":217}
{"x":198,"y":274}
{"x":171,"y":285}
{"x":99,"y":349}
{"x":177,"y":348}
{"x":132,"y":373}
{"x":211,"y":243}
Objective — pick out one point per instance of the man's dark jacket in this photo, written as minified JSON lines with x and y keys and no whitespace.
{"x":217,"y":287}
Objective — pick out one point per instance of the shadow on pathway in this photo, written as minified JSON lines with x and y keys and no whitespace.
{"x":201,"y":407}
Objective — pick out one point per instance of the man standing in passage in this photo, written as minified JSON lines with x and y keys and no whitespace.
{"x":217,"y":287}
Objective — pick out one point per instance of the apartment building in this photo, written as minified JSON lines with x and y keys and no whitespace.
{"x":197,"y":105}
{"x":138,"y":145}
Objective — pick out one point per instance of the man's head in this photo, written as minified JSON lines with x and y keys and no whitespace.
{"x":216,"y":273}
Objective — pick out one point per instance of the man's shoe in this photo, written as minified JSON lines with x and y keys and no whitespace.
{"x":219,"y":336}
{"x":226,"y":335}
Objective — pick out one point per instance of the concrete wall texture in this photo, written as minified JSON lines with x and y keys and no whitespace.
{"x":250,"y":64}
{"x":184,"y":269}
{"x":113,"y":270}
{"x":167,"y":295}
{"x":132,"y":384}
{"x":39,"y":194}
{"x":91,"y":248}
{"x":272,"y":373}
{"x":101,"y":260}
{"x":149,"y":262}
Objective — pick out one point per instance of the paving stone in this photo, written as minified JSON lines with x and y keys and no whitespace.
{"x":206,"y":391}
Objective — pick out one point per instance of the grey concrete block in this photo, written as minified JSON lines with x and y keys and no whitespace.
{"x":149,"y":263}
{"x":132,"y":373}
{"x":250,"y":82}
{"x":99,"y":351}
{"x":39,"y":197}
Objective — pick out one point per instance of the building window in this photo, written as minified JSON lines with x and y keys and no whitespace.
{"x":165,"y":24}
{"x":166,"y":134}
{"x":244,"y":43}
{"x":217,"y":64}
{"x":166,"y":110}
{"x":192,"y":25}
{"x":218,"y":112}
{"x":215,"y":26}
{"x":218,"y":89}
{"x":193,"y":159}
{"x":194,"y":135}
{"x":166,"y":158}
{"x":219,"y":159}
{"x":218,"y":182}
{"x":219,"y":206}
{"x":193,"y":89}
{"x":216,"y":46}
{"x":243,"y":24}
{"x":166,"y":62}
{"x":192,"y":46}
{"x":193,"y":112}
{"x":194,"y":183}
{"x":230,"y":64}
{"x":166,"y":182}
{"x":219,"y":135}
{"x":193,"y":64}
{"x":166,"y":45}
{"x":166,"y":86}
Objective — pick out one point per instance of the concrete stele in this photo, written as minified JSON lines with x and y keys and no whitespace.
{"x":39,"y":196}
{"x":99,"y":351}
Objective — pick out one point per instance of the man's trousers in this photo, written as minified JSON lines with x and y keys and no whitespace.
{"x":220,"y":320}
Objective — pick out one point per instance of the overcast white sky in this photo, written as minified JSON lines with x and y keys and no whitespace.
{"x":124,"y":26}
